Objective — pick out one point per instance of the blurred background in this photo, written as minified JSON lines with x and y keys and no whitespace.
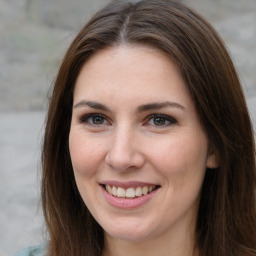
{"x":34,"y":35}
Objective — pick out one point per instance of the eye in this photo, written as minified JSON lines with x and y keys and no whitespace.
{"x":94,"y":119}
{"x":160,"y":120}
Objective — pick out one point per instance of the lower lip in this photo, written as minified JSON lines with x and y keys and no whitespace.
{"x":127,"y":203}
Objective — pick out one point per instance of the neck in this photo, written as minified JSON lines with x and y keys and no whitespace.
{"x":177,"y":245}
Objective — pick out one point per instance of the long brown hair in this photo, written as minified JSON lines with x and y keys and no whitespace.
{"x":226,"y":222}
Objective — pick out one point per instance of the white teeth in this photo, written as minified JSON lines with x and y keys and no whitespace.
{"x":114,"y":191}
{"x":138,"y":191}
{"x":144,"y":190}
{"x":129,"y":192}
{"x":120,"y":192}
{"x":108,"y":188}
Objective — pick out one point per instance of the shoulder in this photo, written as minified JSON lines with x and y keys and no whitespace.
{"x":39,"y":250}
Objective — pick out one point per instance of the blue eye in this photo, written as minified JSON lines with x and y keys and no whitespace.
{"x":94,"y":119}
{"x":160,"y":120}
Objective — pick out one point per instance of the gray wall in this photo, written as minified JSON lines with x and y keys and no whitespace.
{"x":34,"y":35}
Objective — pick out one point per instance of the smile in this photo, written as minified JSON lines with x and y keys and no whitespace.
{"x":130,"y":192}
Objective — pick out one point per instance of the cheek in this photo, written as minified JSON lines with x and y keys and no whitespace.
{"x":85,"y":154}
{"x":182,"y":164}
{"x":181,"y":156}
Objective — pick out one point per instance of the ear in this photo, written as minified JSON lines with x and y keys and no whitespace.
{"x":213,"y":159}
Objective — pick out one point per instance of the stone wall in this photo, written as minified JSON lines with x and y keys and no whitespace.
{"x":35,"y":34}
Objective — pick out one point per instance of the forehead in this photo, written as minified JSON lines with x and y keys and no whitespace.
{"x":128,"y":72}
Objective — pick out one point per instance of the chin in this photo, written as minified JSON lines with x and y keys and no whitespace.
{"x":132,"y":233}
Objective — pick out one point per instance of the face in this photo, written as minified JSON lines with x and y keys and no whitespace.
{"x":138,"y":150}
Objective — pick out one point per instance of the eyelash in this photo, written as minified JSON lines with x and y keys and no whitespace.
{"x":85,"y":118}
{"x":165,"y":118}
{"x":162,"y":117}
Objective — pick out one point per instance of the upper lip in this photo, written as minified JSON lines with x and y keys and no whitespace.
{"x":127,"y":184}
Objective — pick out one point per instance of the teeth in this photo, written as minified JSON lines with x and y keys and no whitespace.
{"x":129,"y":192}
{"x":120,"y":192}
{"x":138,"y":191}
{"x":114,"y":191}
{"x":144,"y":190}
{"x":108,"y":188}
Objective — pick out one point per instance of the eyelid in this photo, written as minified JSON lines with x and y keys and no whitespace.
{"x":168,"y":118}
{"x":84,"y":118}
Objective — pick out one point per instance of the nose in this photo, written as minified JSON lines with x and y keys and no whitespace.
{"x":124,"y":152}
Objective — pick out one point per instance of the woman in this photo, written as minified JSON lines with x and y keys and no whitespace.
{"x":148,"y":146}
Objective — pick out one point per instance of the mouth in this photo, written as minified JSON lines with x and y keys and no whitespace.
{"x":130,"y":192}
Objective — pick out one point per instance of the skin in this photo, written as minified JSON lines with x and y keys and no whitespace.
{"x":127,"y":142}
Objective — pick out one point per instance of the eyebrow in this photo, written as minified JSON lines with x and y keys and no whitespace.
{"x":91,"y":104}
{"x":141,"y":108}
{"x":156,"y":106}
